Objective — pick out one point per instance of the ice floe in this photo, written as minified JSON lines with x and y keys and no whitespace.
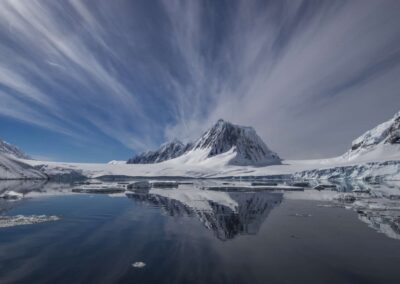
{"x":11,"y":195}
{"x":18,"y":220}
{"x":138,"y":264}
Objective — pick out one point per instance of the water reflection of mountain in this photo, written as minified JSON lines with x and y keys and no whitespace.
{"x":387,"y":222}
{"x":377,"y":204}
{"x":227,"y":214}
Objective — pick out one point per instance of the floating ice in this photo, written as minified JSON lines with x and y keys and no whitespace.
{"x":138,"y":264}
{"x":11,"y":195}
{"x":18,"y":220}
{"x":301,"y":215}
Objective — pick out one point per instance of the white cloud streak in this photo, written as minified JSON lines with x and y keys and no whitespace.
{"x":308,"y":75}
{"x":292,"y":68}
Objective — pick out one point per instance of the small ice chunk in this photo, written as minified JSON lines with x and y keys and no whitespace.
{"x":138,"y":264}
{"x":11,"y":195}
{"x":301,"y":215}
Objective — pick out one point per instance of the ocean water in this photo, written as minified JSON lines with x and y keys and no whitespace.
{"x":192,"y":234}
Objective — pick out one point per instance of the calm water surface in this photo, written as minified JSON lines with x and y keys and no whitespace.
{"x":195,"y":235}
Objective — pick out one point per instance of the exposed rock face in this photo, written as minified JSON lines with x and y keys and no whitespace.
{"x":223,"y":136}
{"x":368,"y":171}
{"x":249,"y":147}
{"x":167,"y":151}
{"x":385,"y":133}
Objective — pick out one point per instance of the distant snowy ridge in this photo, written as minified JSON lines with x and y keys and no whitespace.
{"x":377,"y":153}
{"x":384,"y":139}
{"x":7,"y":148}
{"x":11,"y":167}
{"x":167,"y":151}
{"x":246,"y":146}
{"x":227,"y":150}
{"x":116,"y":162}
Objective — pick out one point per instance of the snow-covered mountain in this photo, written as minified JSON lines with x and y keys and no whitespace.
{"x":12,"y":150}
{"x":382,"y":140}
{"x":167,"y":151}
{"x":375,"y":154}
{"x":246,"y":146}
{"x":230,"y":150}
{"x":227,"y":214}
{"x":12,"y":168}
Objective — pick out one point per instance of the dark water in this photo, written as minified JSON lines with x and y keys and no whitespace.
{"x":190,"y":235}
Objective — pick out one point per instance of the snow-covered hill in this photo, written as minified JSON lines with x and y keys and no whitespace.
{"x":11,"y":167}
{"x":226,"y":150}
{"x":247,"y":147}
{"x":383,"y":140}
{"x":7,"y":148}
{"x":167,"y":151}
{"x":242,"y":145}
{"x":375,"y":154}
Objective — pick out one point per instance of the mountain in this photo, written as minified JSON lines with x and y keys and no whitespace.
{"x":246,"y":146}
{"x":167,"y":151}
{"x":12,"y":150}
{"x":383,"y":140}
{"x":12,"y":168}
{"x":373,"y":155}
{"x":227,"y":214}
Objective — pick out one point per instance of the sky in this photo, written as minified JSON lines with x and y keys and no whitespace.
{"x":101,"y":80}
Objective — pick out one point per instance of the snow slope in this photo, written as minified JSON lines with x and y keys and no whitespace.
{"x":376,"y":154}
{"x":243,"y":144}
{"x":167,"y":151}
{"x":383,"y":140}
{"x":7,"y":148}
{"x":246,"y":147}
{"x":13,"y":168}
{"x":11,"y":165}
{"x":218,"y":167}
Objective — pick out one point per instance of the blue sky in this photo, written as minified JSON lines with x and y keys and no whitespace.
{"x":100,"y":80}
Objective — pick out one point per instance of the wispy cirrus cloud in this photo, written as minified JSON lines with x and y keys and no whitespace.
{"x":309,"y":75}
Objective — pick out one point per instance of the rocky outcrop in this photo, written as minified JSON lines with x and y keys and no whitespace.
{"x":385,"y":133}
{"x":247,"y":145}
{"x":167,"y":151}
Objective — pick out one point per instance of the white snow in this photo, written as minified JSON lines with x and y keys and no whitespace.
{"x":14,"y":168}
{"x":192,"y":164}
{"x":116,"y":162}
{"x":370,"y":160}
{"x":10,"y":194}
{"x":9,"y":149}
{"x":18,"y":220}
{"x":138,"y":264}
